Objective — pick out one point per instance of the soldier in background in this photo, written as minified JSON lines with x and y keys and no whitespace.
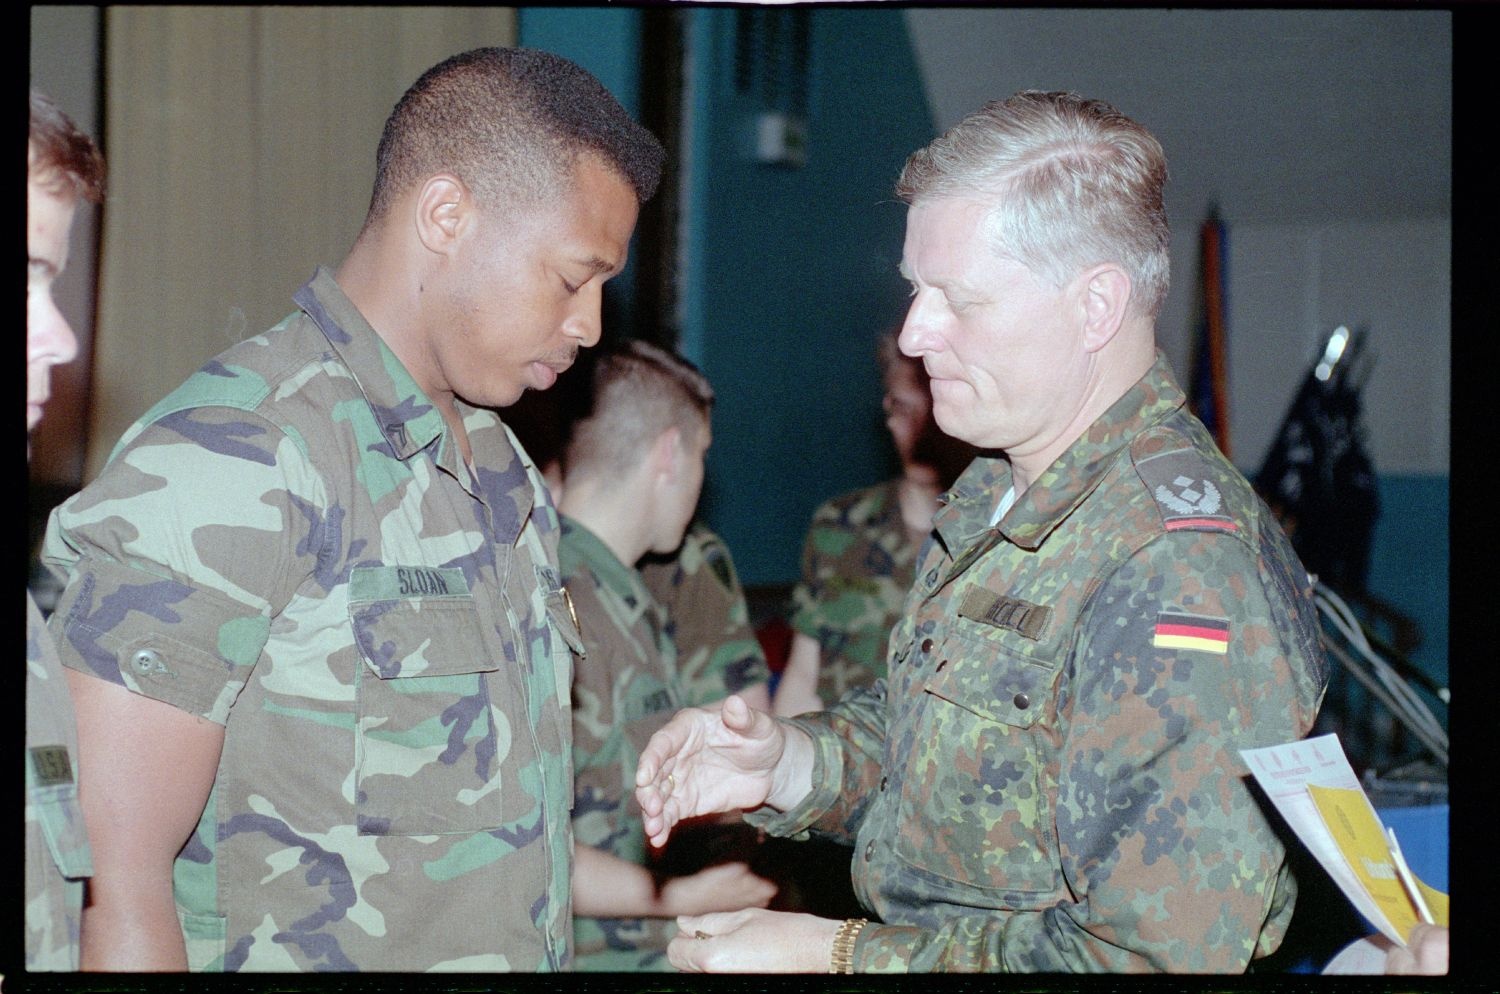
{"x":708,"y":618}
{"x":62,"y":167}
{"x":860,"y":555}
{"x":1049,"y":777}
{"x":313,"y":621}
{"x":632,"y":472}
{"x":859,"y":560}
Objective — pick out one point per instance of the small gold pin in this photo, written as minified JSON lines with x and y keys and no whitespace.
{"x":572,"y":613}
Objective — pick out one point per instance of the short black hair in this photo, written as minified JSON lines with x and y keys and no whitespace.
{"x":510,"y":123}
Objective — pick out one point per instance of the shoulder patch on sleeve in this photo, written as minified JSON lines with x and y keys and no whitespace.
{"x":1183,"y":485}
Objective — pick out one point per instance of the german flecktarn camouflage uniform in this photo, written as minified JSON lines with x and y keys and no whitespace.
{"x":57,"y":845}
{"x":858,"y":562}
{"x":291,"y":544}
{"x":1050,"y":780}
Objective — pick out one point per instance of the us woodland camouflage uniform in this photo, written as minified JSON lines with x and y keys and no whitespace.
{"x":291,"y":544}
{"x":1050,"y":780}
{"x":628,"y":685}
{"x":858,"y":562}
{"x":57,"y":846}
{"x":708,"y":619}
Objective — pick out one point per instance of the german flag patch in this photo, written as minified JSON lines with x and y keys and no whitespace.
{"x":1190,"y":631}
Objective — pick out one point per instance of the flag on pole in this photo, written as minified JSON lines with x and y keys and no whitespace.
{"x":1208,"y":393}
{"x":1318,"y":476}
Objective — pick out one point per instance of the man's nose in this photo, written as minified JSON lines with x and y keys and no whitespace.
{"x":585,"y":322}
{"x":54,"y":340}
{"x":916,"y":331}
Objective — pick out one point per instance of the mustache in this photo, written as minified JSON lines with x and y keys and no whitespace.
{"x":561,"y":358}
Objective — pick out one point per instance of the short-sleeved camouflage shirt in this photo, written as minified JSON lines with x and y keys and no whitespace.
{"x":57,"y":845}
{"x":858,"y":562}
{"x":1050,"y":778}
{"x":708,"y":619}
{"x":292,"y":545}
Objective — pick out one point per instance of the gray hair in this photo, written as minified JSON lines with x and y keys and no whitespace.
{"x":1074,"y":181}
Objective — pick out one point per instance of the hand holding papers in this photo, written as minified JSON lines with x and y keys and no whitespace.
{"x":1317,"y":792}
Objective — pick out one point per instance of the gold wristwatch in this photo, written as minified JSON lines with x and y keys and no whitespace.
{"x":843,"y":945}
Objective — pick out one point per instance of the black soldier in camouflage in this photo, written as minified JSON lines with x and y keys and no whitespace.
{"x":313,"y":624}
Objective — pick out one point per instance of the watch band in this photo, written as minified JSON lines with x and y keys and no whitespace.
{"x":842,"y":960}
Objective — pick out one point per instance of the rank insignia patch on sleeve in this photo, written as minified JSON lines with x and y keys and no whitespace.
{"x":1190,"y":504}
{"x":1186,"y":499}
{"x":1190,"y":631}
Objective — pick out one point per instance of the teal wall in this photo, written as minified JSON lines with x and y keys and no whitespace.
{"x":604,"y":40}
{"x":1408,"y":572}
{"x":788,"y":273}
{"x":1409,"y":562}
{"x":791,"y":274}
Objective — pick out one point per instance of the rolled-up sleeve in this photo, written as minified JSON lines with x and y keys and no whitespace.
{"x":178,"y":558}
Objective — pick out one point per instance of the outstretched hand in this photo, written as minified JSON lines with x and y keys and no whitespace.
{"x":728,"y":757}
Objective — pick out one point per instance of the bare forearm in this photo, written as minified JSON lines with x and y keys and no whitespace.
{"x":130,"y":925}
{"x":792,"y":779}
{"x":797,"y":690}
{"x":606,"y":886}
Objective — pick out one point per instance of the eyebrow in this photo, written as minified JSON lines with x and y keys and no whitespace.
{"x":46,"y":264}
{"x":957,"y":283}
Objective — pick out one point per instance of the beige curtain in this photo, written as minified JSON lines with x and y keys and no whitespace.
{"x":241,"y":144}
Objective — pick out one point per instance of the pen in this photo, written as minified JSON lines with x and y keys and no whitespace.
{"x":1407,"y":880}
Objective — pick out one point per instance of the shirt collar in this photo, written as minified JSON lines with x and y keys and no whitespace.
{"x":964,"y":518}
{"x":410,"y":422}
{"x":581,"y":547}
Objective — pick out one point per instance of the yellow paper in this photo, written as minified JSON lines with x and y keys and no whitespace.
{"x":1437,"y":902}
{"x":1358,"y":834}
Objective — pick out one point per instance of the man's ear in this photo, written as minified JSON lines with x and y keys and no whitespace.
{"x":443,"y":212}
{"x":1106,"y":292}
{"x":666,"y":453}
